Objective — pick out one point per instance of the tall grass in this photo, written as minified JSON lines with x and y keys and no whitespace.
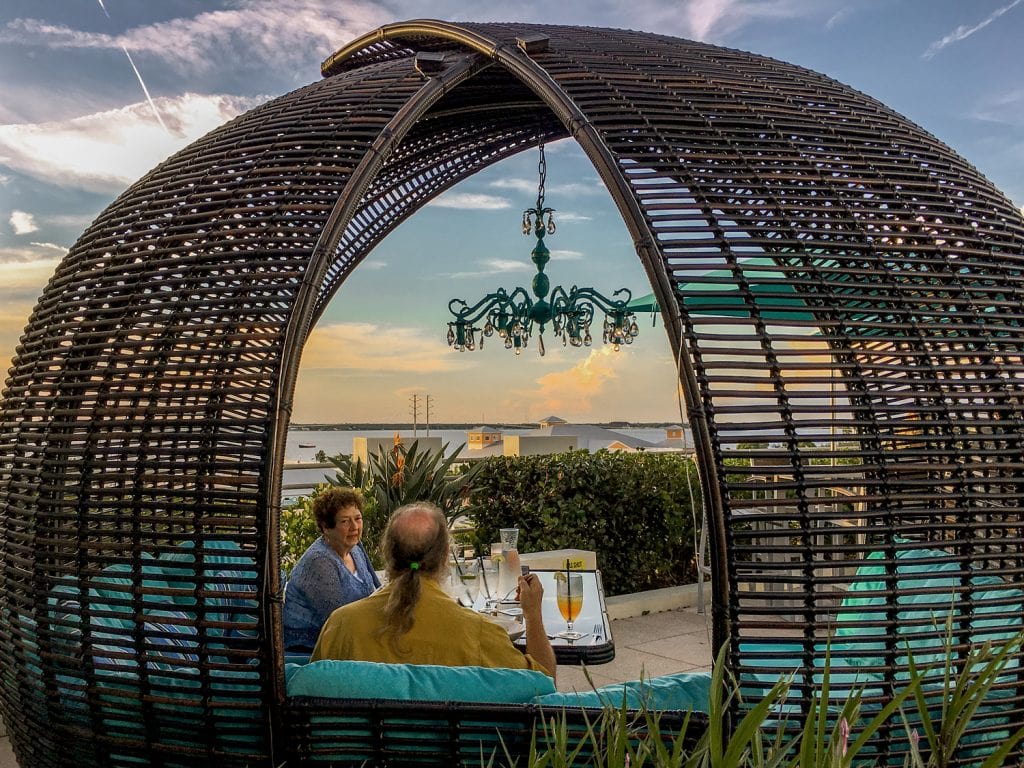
{"x":930,"y":715}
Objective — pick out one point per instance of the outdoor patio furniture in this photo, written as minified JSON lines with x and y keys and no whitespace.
{"x":877,"y":418}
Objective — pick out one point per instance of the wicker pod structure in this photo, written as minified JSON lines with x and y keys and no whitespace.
{"x":843,"y":293}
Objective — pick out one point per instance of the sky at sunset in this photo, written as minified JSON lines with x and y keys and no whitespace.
{"x":94,"y":93}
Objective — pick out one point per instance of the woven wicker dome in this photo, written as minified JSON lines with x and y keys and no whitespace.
{"x":145,"y":416}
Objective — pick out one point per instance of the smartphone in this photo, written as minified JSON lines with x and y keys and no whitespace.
{"x":525,"y":569}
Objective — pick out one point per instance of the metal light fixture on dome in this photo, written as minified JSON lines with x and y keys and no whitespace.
{"x":513,"y":314}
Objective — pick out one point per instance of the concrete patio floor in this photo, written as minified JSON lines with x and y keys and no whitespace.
{"x":655,"y":643}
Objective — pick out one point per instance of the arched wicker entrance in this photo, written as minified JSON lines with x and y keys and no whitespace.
{"x":853,"y":376}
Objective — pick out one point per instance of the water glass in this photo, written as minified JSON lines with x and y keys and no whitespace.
{"x":471,"y":581}
{"x":509,"y":539}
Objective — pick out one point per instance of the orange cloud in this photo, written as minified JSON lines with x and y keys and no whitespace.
{"x":378,"y":348}
{"x":21,"y":283}
{"x":572,"y":391}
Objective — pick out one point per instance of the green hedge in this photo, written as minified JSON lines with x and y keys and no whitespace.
{"x":633,"y":509}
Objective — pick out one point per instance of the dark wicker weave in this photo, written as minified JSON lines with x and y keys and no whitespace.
{"x":852,"y":369}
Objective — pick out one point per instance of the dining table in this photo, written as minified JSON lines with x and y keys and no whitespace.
{"x":596,"y":646}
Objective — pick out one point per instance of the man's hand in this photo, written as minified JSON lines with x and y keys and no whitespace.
{"x":530,"y":594}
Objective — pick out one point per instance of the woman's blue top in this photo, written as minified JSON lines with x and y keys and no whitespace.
{"x":319,"y":583}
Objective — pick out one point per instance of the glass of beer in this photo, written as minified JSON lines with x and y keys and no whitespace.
{"x":569,"y":594}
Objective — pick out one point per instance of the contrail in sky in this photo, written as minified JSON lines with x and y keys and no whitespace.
{"x":138,"y":74}
{"x":145,"y":90}
{"x":963,"y":31}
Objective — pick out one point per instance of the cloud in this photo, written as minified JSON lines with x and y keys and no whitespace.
{"x":574,"y":390}
{"x":470,"y":201}
{"x":378,"y":348}
{"x":52,"y":247}
{"x":526,"y":186}
{"x":21,"y":256}
{"x":268,"y":31}
{"x":23,"y":223}
{"x":1007,"y":108}
{"x":569,"y":189}
{"x":838,"y":18}
{"x":575,"y":188}
{"x":23,"y":274}
{"x":710,"y":20}
{"x":570,"y":217}
{"x":963,"y":31}
{"x":105,"y":151}
{"x":495,"y":267}
{"x":566,"y":255}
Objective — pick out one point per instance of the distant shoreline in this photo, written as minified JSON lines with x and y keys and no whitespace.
{"x":473,"y":425}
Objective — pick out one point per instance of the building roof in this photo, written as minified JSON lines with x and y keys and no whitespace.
{"x":489,"y":430}
{"x":591,"y":437}
{"x":553,"y":420}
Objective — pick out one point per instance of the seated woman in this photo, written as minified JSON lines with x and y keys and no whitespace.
{"x":413,"y":620}
{"x":334,"y":571}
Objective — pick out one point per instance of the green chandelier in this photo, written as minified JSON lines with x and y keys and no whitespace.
{"x":513,"y":315}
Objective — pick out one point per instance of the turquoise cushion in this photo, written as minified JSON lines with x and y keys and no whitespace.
{"x":415,"y":682}
{"x":926,"y":595}
{"x":213,"y":552}
{"x":681,"y":691}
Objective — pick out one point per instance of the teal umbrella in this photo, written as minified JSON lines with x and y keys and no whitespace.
{"x":715,"y":294}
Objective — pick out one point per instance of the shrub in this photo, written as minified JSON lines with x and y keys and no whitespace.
{"x":634,"y":509}
{"x":298,"y":530}
{"x":394,"y":477}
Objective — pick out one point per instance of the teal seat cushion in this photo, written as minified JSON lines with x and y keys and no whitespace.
{"x":929,"y":583}
{"x":681,"y":691}
{"x":415,"y":682}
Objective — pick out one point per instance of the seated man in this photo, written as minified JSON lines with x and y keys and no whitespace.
{"x":412,"y":620}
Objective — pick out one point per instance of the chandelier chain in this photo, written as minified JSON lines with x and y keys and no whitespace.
{"x":542,"y":173}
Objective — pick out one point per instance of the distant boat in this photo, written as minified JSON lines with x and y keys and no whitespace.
{"x":307,"y":445}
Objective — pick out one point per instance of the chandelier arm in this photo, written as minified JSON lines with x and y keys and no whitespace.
{"x":603,"y":303}
{"x":560,"y":300}
{"x":471,"y":314}
{"x":520,"y":294}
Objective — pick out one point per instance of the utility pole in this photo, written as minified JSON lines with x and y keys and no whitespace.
{"x":427,"y":409}
{"x":414,"y":405}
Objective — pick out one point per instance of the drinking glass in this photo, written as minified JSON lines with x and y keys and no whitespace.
{"x":487,"y":573}
{"x":471,"y":580}
{"x":569,"y":594}
{"x":509,"y":539}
